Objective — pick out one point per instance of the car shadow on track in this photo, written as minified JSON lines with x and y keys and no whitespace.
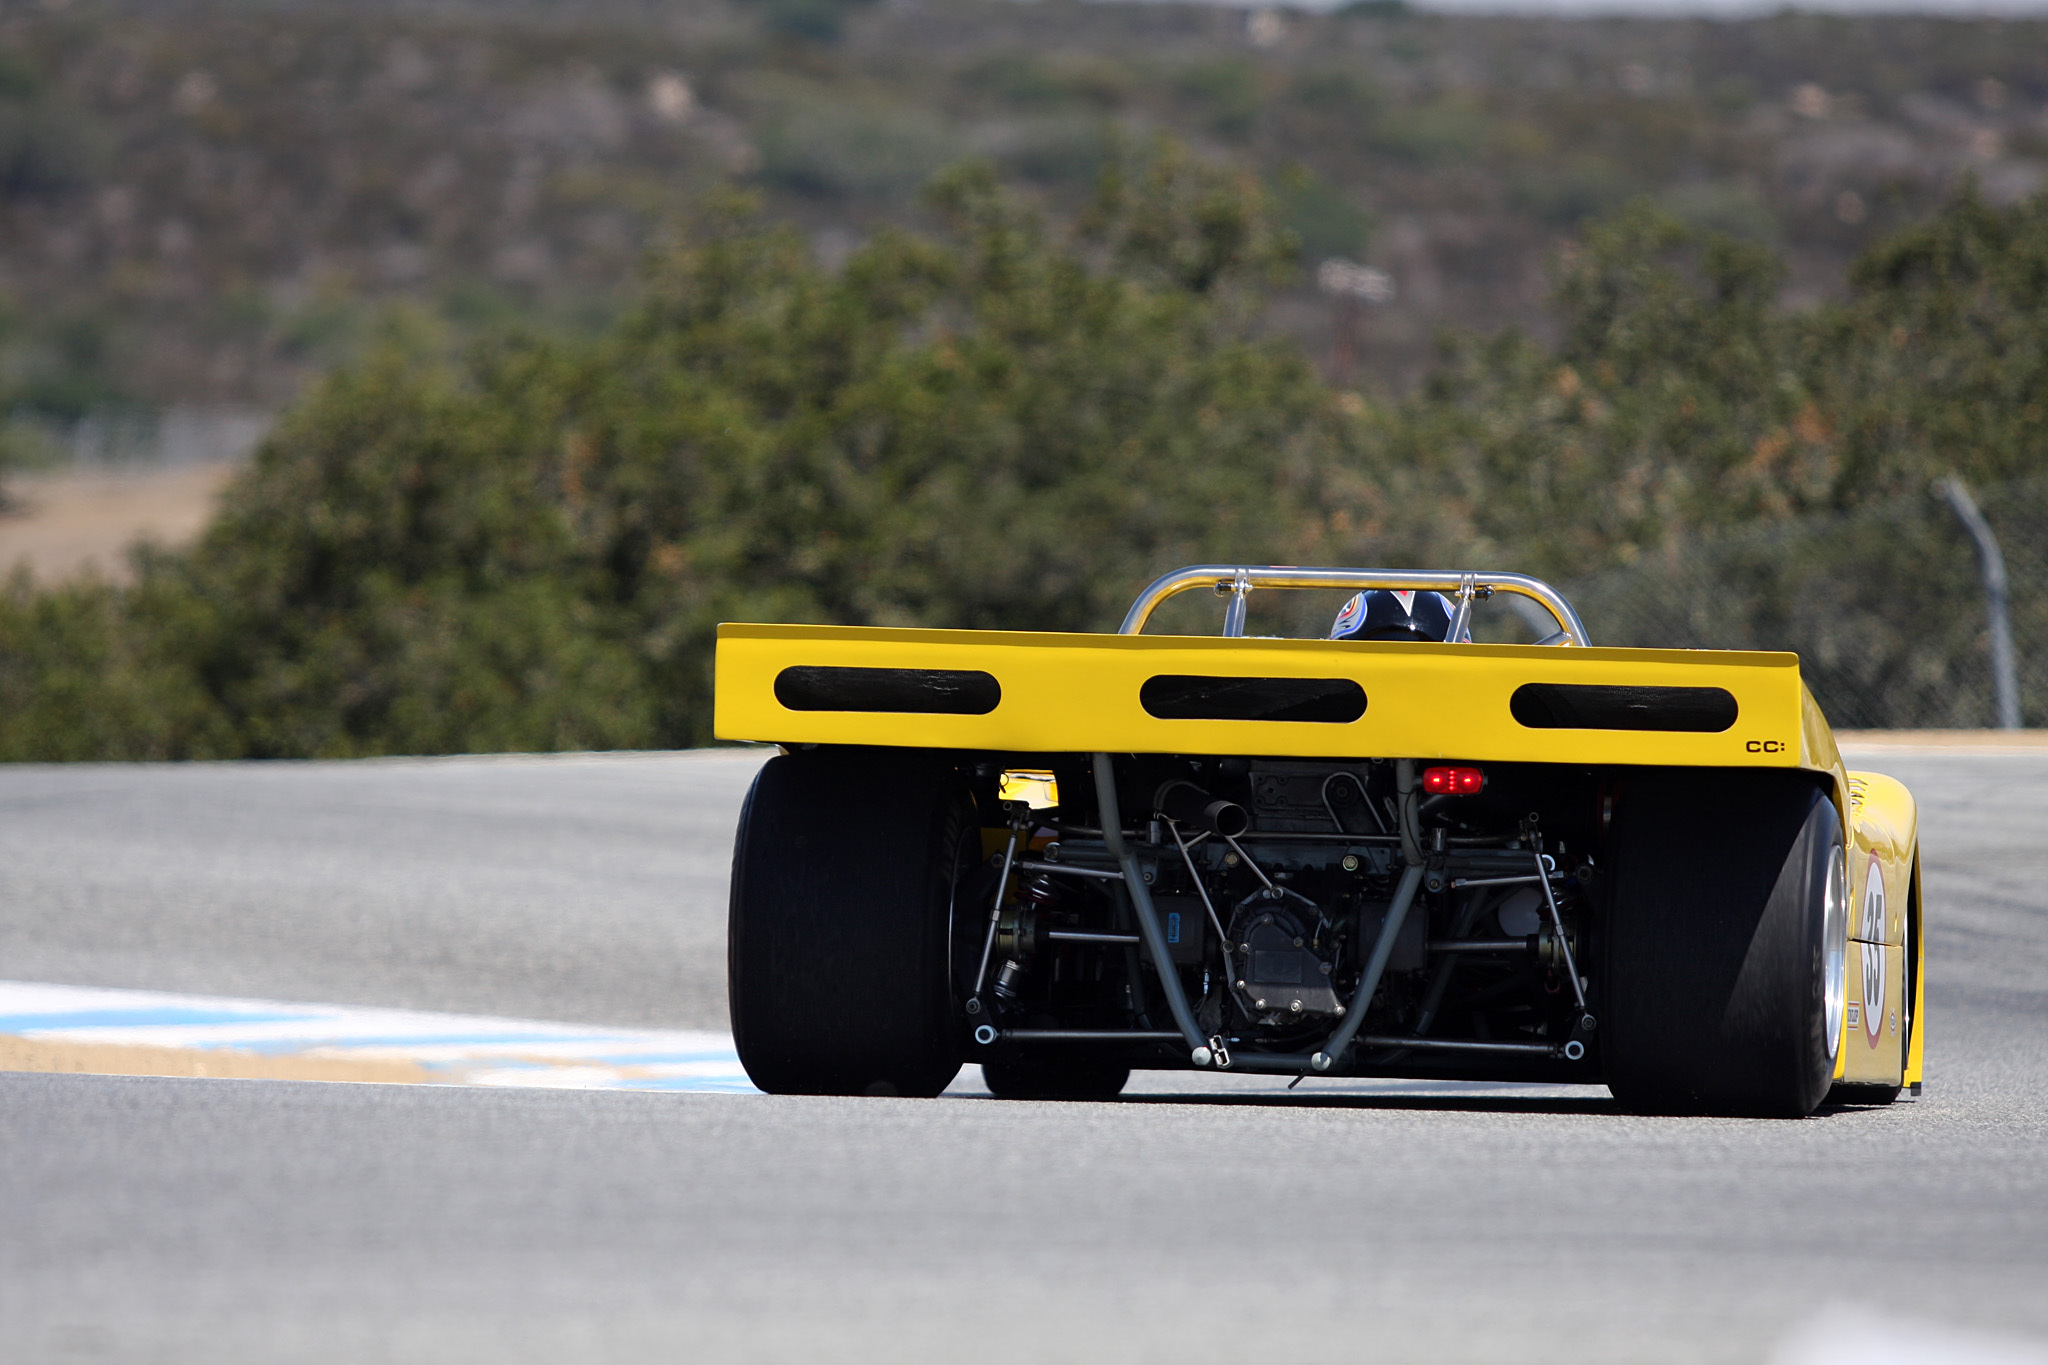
{"x":1599,"y":1105}
{"x":1460,"y":1104}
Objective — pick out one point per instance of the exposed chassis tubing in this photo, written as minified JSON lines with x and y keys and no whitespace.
{"x":1199,"y":1050}
{"x":1236,"y":581}
{"x":1148,"y":918}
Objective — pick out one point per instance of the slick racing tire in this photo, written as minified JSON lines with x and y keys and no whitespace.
{"x":1051,"y":1078}
{"x":842,"y":878}
{"x":1726,"y":944}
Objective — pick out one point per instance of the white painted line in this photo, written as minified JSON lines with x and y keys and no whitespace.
{"x":449,"y":1049}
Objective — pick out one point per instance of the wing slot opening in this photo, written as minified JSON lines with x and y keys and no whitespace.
{"x":1184,"y":696}
{"x":913,"y":691}
{"x":1587,"y":706}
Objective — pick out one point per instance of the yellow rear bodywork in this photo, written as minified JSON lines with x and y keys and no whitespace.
{"x":1069,"y":693}
{"x":1885,"y":949}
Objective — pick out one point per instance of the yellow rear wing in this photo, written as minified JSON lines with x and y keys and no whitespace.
{"x":1042,"y":692}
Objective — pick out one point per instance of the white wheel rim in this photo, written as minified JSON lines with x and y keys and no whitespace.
{"x":1835,"y":950}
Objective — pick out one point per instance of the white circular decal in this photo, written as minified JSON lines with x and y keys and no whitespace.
{"x":1870,"y":924}
{"x":1870,"y":928}
{"x":1873,"y":992}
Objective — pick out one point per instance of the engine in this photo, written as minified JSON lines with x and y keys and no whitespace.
{"x":1273,"y":883}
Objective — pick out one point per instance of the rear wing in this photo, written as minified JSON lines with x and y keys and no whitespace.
{"x":1557,"y":701}
{"x":1033,"y":692}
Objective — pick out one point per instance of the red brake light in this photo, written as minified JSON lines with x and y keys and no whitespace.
{"x":1453,"y":781}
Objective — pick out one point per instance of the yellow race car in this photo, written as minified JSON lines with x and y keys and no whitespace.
{"x":1392,"y":852}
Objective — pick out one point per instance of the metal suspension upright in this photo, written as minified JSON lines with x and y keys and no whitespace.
{"x":1020,"y":812}
{"x":1149,"y":930}
{"x":1544,"y":866}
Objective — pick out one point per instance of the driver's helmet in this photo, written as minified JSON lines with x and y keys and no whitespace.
{"x":1383,"y":614}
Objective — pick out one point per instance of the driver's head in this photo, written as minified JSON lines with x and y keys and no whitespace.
{"x":1381,"y":614}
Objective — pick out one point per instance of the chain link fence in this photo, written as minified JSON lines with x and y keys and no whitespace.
{"x":1884,"y":605}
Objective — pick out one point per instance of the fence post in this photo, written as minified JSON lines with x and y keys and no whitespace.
{"x":2004,"y":677}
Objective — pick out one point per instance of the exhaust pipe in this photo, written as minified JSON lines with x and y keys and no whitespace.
{"x":1186,"y":804}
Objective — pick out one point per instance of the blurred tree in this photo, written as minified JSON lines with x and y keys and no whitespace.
{"x":531,"y":549}
{"x":1008,"y":424}
{"x":1940,"y":360}
{"x":1672,"y":402}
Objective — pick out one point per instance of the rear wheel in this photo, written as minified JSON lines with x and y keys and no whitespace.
{"x":1054,"y":1079}
{"x":842,"y":880}
{"x":1727,"y":932}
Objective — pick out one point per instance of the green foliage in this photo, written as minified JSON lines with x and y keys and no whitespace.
{"x":1168,"y":218}
{"x":45,"y":144}
{"x":1444,"y":131}
{"x":233,"y":189}
{"x":831,"y":150}
{"x":1010,"y":423}
{"x":1941,"y":358}
{"x":1324,"y":219}
{"x":46,"y":373}
{"x":1681,"y":400}
{"x":816,"y":21}
{"x":1707,"y":469}
{"x":1375,"y":9}
{"x":531,"y":549}
{"x":1222,"y":93}
{"x":1643,"y":423}
{"x":88,"y":671}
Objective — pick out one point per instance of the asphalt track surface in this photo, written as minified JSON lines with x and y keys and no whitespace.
{"x":226,"y":1221}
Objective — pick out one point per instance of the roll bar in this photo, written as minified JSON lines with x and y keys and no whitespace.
{"x":1236,"y":581}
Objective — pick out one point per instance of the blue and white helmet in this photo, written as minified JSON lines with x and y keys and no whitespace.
{"x":1383,"y":614}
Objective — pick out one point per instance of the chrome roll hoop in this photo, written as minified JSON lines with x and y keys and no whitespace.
{"x":1236,"y":581}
